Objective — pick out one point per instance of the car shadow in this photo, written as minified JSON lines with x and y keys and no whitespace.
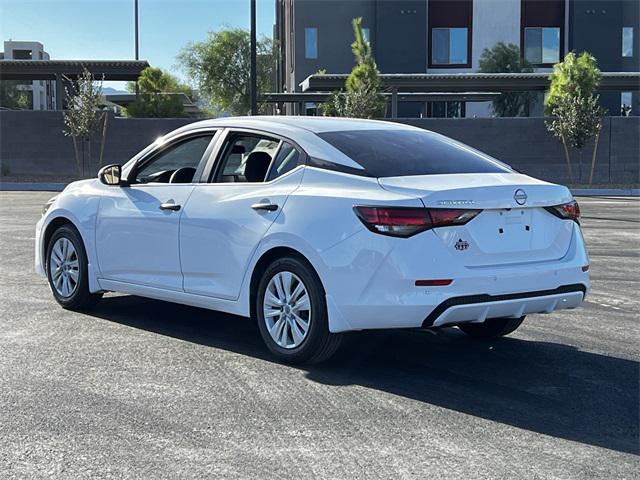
{"x":544,"y":387}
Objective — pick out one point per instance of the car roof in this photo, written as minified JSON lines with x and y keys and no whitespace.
{"x":287,"y":124}
{"x":301,"y":130}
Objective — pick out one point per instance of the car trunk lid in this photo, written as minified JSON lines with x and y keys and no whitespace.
{"x":513,"y":226}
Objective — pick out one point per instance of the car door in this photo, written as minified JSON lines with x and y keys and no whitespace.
{"x":225,"y":219}
{"x":137,"y":225}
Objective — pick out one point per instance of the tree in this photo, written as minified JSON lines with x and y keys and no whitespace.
{"x":574,"y":75}
{"x":154,"y":100}
{"x":83,"y":118}
{"x":220,"y":67}
{"x":503,"y":58}
{"x":12,"y":97}
{"x":363,"y":97}
{"x":574,"y":104}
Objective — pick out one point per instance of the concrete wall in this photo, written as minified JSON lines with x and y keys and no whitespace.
{"x":400,"y":45}
{"x":33,"y":148}
{"x":332,"y":18}
{"x":596,"y":27}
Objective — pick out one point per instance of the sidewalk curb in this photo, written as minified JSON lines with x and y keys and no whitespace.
{"x":606,"y":192}
{"x":31,"y":187}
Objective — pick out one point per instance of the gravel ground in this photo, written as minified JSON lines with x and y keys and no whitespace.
{"x":145,"y":389}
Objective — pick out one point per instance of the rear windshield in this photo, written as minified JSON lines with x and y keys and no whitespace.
{"x":396,"y":153}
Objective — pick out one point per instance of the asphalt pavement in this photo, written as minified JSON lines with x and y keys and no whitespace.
{"x":141,"y":388}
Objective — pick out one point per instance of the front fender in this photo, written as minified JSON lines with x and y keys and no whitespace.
{"x":79,"y":205}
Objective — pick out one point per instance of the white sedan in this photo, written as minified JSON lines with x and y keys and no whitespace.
{"x":319,"y":226}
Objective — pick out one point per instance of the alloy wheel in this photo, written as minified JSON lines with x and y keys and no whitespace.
{"x":64,"y":267}
{"x":287,"y":310}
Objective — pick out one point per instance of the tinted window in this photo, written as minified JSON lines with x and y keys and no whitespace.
{"x":311,"y":43}
{"x":449,"y":46}
{"x":395,"y":153}
{"x":542,"y":45}
{"x":627,"y":41}
{"x":366,"y":34}
{"x":185,"y":154}
{"x":287,"y":159}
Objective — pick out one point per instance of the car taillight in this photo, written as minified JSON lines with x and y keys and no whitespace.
{"x":567,"y":211}
{"x":407,"y":221}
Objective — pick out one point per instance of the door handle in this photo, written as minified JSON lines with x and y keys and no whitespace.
{"x":270,"y":207}
{"x":169,"y":206}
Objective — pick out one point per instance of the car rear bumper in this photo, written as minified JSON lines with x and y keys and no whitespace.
{"x":477,"y":308}
{"x":374,"y":286}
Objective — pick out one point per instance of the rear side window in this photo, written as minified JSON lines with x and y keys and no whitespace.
{"x":397,"y":153}
{"x":287,"y":159}
{"x":246,"y":158}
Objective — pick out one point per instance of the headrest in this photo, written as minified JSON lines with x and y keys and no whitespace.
{"x":255,"y":168}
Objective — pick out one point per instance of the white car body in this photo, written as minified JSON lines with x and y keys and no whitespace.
{"x":205,"y":254}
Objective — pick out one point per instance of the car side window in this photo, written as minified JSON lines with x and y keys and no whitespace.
{"x":287,"y":159}
{"x":246,"y":158}
{"x":177,"y":164}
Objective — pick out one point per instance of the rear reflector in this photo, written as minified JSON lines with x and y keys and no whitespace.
{"x":407,"y":221}
{"x":434,"y":283}
{"x":566,"y":211}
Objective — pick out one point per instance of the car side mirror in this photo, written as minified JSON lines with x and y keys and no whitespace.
{"x":111,"y":175}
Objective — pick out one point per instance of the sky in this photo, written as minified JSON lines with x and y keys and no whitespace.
{"x":103,"y":29}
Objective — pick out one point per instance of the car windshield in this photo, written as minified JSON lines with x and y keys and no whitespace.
{"x":396,"y":153}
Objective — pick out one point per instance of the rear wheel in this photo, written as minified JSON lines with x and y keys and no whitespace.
{"x":67,"y":270}
{"x":491,"y":328}
{"x":292,"y":313}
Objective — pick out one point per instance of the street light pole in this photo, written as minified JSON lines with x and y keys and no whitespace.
{"x":137,"y":47}
{"x":253,"y":80}
{"x":135,"y":13}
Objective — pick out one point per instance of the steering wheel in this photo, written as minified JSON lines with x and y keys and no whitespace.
{"x":183,"y":175}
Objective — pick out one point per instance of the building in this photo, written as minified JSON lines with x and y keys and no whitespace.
{"x":118,"y":101}
{"x":41,"y":93}
{"x":447,"y":36}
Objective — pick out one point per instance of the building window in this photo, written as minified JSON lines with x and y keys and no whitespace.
{"x":542,"y":45}
{"x":626,"y":99}
{"x":627,"y":41}
{"x":366,"y":34}
{"x":22,"y":54}
{"x":449,"y":46}
{"x":310,"y":43}
{"x":449,"y":109}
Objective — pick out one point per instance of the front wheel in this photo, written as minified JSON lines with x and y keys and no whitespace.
{"x":491,"y":328}
{"x":292,"y":313}
{"x":66,"y":263}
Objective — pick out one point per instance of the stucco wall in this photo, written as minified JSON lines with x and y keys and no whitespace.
{"x":493,"y":22}
{"x":32,"y":146}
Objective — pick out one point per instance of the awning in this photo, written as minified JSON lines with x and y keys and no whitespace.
{"x":468,"y":82}
{"x":49,"y":69}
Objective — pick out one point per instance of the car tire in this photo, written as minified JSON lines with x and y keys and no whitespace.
{"x":491,"y":328}
{"x":66,"y":266}
{"x":283,"y":338}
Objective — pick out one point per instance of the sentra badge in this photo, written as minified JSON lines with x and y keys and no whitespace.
{"x":456,"y":202}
